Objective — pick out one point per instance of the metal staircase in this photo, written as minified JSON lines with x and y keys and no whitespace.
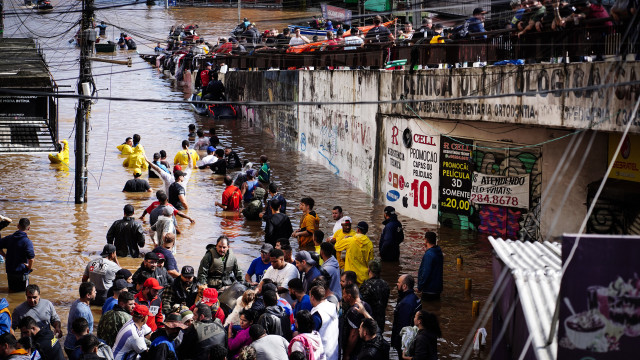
{"x":25,"y":135}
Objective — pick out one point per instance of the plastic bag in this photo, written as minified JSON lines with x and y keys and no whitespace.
{"x":408,"y":336}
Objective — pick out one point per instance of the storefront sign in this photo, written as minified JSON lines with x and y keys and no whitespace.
{"x":412,"y":162}
{"x":335,"y":13}
{"x":24,"y":106}
{"x":627,"y":164}
{"x":602,"y":285}
{"x":455,"y":175}
{"x":508,"y":191}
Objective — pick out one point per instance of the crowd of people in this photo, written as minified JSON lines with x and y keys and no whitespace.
{"x":325,"y":300}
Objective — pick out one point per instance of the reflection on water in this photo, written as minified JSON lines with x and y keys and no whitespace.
{"x":66,"y":235}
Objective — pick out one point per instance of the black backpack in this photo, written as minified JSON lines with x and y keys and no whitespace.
{"x":461,"y":31}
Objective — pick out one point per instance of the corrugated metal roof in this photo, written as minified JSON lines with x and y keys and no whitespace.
{"x":536,"y":269}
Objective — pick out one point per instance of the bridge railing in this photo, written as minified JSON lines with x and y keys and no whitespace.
{"x":595,"y":38}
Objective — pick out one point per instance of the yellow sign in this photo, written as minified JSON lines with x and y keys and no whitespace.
{"x":627,"y":164}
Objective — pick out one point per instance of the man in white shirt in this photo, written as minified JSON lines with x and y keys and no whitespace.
{"x":325,"y":319}
{"x":354,"y":39}
{"x":102,"y":272}
{"x":207,"y":160}
{"x":167,"y":178}
{"x":337,"y":215}
{"x":298,"y":39}
{"x":130,"y":339}
{"x":280,"y":272}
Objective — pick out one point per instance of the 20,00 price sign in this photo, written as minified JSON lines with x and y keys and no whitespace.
{"x":455,"y":175}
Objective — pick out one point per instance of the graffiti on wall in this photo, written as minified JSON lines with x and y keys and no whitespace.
{"x":507,"y":222}
{"x":342,"y":141}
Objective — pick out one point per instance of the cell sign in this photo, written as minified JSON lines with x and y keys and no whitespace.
{"x":412,"y":160}
{"x":455,"y":175}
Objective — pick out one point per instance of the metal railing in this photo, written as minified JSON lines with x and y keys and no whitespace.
{"x":593,"y":38}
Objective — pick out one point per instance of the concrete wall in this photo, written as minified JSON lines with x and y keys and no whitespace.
{"x":363,"y":143}
{"x":342,"y":137}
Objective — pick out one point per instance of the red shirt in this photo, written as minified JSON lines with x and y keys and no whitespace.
{"x":155,"y":204}
{"x":155,"y":310}
{"x":231,"y":198}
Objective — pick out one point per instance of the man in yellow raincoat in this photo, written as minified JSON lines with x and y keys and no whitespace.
{"x":62,"y":156}
{"x":126,"y":148}
{"x":359,"y":252}
{"x":137,"y":159}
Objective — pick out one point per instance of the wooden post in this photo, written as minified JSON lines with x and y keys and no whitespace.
{"x":475,"y":308}
{"x":467,"y":286}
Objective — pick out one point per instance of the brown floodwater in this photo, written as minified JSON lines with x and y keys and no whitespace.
{"x":66,"y":235}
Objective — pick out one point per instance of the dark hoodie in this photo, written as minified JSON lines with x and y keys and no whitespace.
{"x":276,"y":322}
{"x":277,"y":227}
{"x":392,"y":236}
{"x":19,"y":250}
{"x":374,"y":349}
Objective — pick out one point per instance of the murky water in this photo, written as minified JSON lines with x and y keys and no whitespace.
{"x":66,"y":235}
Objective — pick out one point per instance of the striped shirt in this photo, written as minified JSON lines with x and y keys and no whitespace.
{"x":129,"y":339}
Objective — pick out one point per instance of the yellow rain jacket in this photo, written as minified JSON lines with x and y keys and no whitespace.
{"x":339,"y":235}
{"x":136,"y":160}
{"x":125,"y":149}
{"x":62,"y":156}
{"x":359,"y":253}
{"x":181,"y":158}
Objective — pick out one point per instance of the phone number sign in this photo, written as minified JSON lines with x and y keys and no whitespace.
{"x":509,"y":191}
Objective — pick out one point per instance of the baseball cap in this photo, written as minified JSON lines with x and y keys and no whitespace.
{"x":305,"y":256}
{"x":152,"y":283}
{"x":187,"y":271}
{"x":479,"y":10}
{"x":173,"y":320}
{"x":266,"y":248}
{"x":210,"y":296}
{"x":120,"y":284}
{"x":211,"y":149}
{"x":390,"y":210}
{"x":209,"y":64}
{"x":251,"y":172}
{"x":161,"y":256}
{"x":345,"y":219}
{"x":141,"y":309}
{"x":151,"y":256}
{"x":108,"y":250}
{"x":177,"y":168}
{"x":137,"y":171}
{"x":363,"y":226}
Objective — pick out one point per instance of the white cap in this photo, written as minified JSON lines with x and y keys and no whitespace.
{"x":344,"y":219}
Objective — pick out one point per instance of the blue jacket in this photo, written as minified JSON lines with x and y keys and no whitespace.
{"x":392,"y":236}
{"x":430,"y":273}
{"x":19,"y":250}
{"x":476,"y":26}
{"x":403,"y":314}
{"x":5,"y":316}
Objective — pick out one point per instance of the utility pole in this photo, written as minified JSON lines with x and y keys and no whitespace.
{"x":239,"y":12}
{"x":85,"y":81}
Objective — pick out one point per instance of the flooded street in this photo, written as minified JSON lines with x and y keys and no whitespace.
{"x":66,"y":235}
